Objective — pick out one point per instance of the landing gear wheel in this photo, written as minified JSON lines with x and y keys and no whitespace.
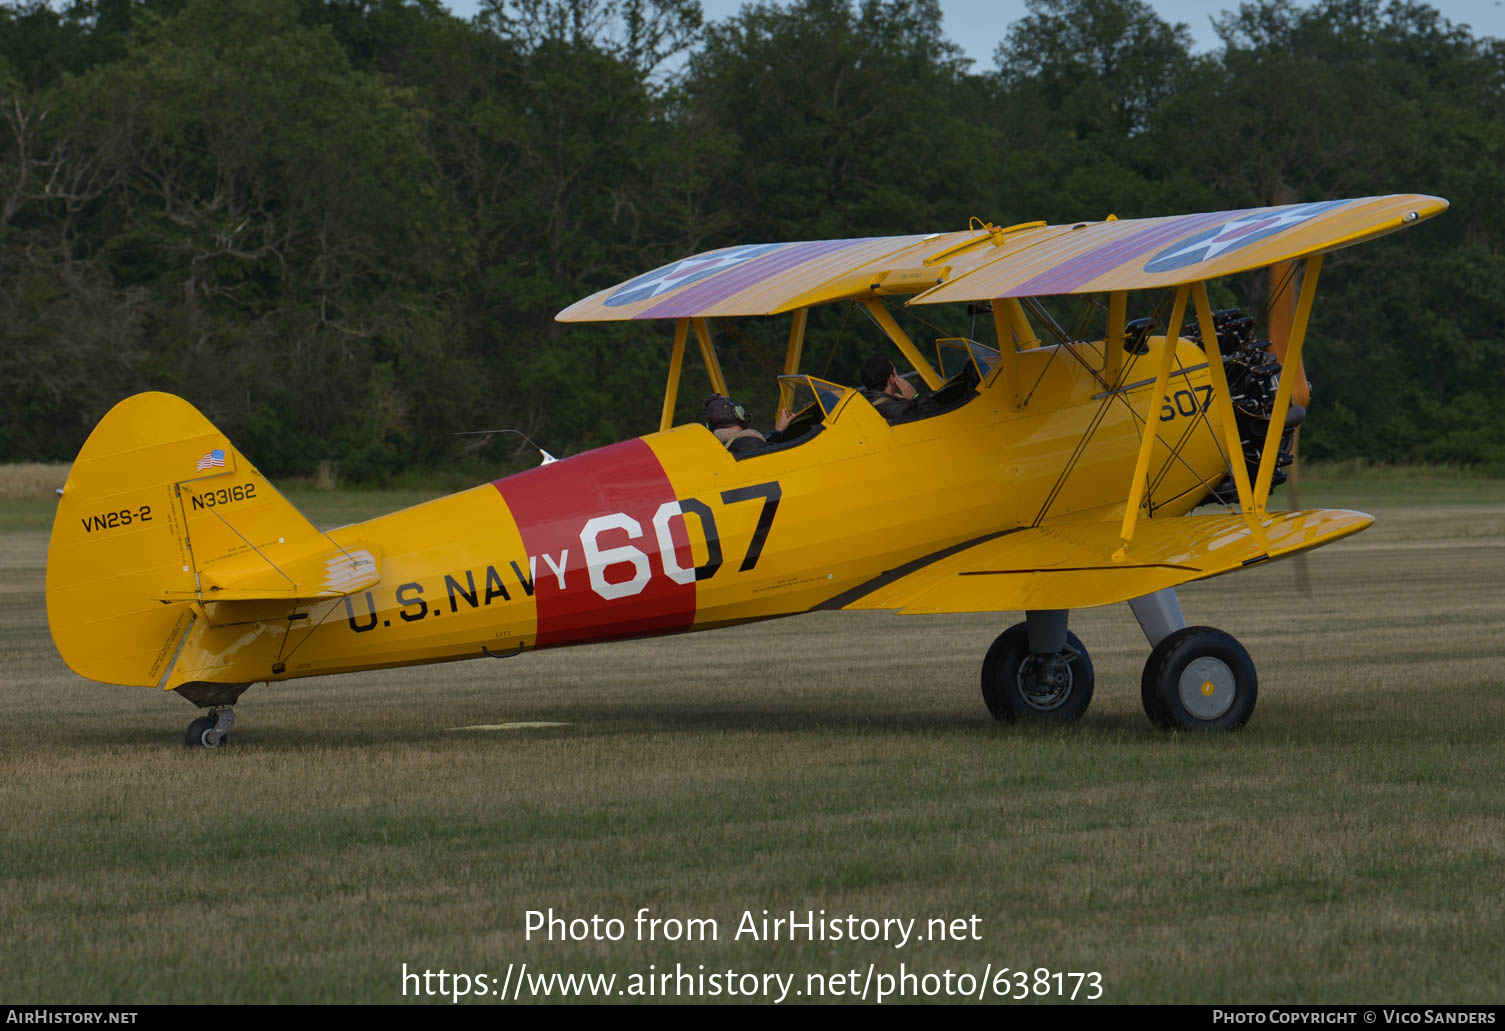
{"x":1199,"y":678}
{"x":1020,"y":686}
{"x":211,"y":731}
{"x":197,"y":736}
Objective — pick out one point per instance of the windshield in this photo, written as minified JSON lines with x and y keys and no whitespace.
{"x":953,"y":354}
{"x":799,"y":393}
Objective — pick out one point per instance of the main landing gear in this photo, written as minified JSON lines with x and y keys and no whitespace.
{"x":1199,"y":679}
{"x":1037,"y":671}
{"x":1196,"y":678}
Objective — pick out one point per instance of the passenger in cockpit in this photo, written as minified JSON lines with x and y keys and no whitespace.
{"x":890,"y":393}
{"x":728,"y":421}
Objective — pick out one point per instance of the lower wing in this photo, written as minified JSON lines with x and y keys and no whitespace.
{"x":1078,"y":563}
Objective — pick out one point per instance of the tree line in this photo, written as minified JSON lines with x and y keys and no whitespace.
{"x":342,"y":228}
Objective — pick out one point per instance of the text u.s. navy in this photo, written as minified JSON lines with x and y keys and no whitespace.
{"x":760,"y":925}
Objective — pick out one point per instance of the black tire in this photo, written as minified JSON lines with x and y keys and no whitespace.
{"x":196,"y":731}
{"x":1199,"y":678}
{"x":1011,"y":694}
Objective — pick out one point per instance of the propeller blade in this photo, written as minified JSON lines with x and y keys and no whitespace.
{"x":1285,"y":286}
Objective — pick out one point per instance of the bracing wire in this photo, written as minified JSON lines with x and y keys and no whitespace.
{"x":826,"y":368}
{"x":748,"y":346}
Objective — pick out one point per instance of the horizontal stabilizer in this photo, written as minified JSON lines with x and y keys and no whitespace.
{"x":329,"y":572}
{"x":1076,"y":564}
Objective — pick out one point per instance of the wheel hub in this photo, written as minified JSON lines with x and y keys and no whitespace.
{"x":1045,"y":680}
{"x":1207,"y":687}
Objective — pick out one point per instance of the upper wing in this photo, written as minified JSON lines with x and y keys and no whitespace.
{"x":988,"y":262}
{"x":1071,"y":563}
{"x":754,"y":279}
{"x":1142,"y":254}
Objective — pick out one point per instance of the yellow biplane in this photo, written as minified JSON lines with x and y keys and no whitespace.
{"x":1036,"y":476}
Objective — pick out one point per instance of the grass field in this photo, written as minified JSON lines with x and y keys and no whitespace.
{"x":1349,"y":845}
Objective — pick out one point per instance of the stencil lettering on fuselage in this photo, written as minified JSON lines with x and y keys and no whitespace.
{"x":597,"y":520}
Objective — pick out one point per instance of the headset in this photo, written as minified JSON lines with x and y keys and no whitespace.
{"x":721,"y":410}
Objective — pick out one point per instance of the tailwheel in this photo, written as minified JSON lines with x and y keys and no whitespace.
{"x":1018,"y":685}
{"x":1199,"y":678}
{"x":211,"y":731}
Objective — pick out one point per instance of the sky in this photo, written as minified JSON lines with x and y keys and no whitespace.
{"x":979,"y":25}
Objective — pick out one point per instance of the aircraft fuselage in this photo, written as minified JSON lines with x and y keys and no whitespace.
{"x":669,"y":532}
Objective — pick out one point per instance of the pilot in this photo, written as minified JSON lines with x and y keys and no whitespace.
{"x":891,"y":393}
{"x":728,"y":421}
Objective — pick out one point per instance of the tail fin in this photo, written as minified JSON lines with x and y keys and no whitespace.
{"x":156,"y":498}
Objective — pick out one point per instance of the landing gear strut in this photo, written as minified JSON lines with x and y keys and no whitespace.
{"x":211,"y":731}
{"x":1037,"y":671}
